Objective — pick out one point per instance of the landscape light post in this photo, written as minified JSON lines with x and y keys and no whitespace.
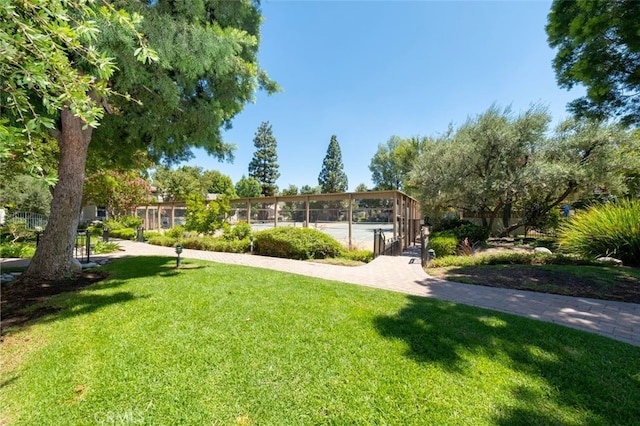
{"x":178,"y":251}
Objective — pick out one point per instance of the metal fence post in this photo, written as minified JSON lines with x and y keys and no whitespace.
{"x":376,"y":244}
{"x":87,"y":235}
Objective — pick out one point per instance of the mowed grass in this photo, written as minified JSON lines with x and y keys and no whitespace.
{"x":223,"y":344}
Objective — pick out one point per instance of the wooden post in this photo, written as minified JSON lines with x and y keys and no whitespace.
{"x":395,"y":214}
{"x":306,"y":220}
{"x":350,"y":218}
{"x":275,"y":213}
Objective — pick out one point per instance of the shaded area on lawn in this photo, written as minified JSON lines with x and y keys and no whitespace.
{"x":453,"y":335}
{"x":36,"y":301}
{"x":620,"y":284}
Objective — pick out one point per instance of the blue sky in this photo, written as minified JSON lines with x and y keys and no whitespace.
{"x":367,"y":70}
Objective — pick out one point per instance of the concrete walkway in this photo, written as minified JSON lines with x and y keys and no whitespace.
{"x":404,"y":274}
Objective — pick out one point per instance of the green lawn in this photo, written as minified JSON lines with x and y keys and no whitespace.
{"x":222,"y":344}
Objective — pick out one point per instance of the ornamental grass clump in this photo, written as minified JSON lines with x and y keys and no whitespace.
{"x":611,"y":229}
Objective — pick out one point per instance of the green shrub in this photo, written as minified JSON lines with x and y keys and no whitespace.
{"x":365,"y":256}
{"x":178,"y":231}
{"x":123,"y":233}
{"x":296,"y":243}
{"x":151,"y":234}
{"x":474,"y":233}
{"x":209,"y":243}
{"x":162,"y":240}
{"x":240,"y":231}
{"x":132,"y":222}
{"x":443,"y":243}
{"x":96,"y":228}
{"x":233,"y":246}
{"x":15,"y":230}
{"x":21,"y":250}
{"x":198,"y":243}
{"x":112,"y":224}
{"x":449,"y":224}
{"x":514,"y":258}
{"x":611,"y":229}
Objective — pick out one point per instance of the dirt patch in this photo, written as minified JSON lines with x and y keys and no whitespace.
{"x":618,"y":287}
{"x":17,"y":300}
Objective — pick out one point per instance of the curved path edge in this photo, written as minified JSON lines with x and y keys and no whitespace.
{"x":616,"y":320}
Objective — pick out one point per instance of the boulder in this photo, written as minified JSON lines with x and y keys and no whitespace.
{"x":609,"y":261}
{"x":542,"y":250}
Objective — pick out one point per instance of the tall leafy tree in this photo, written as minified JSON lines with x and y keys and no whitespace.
{"x":290,"y":190}
{"x":598,"y":45}
{"x":332,"y":177}
{"x":362,"y":187}
{"x":386,"y":172}
{"x":178,"y":184}
{"x":50,"y":66}
{"x":206,"y":216}
{"x":310,"y":190}
{"x":496,"y":162}
{"x":264,"y":164}
{"x":392,"y":162}
{"x":55,"y":77}
{"x":480,"y":165}
{"x":289,"y":208}
{"x":217,"y":183}
{"x":120,"y":191}
{"x":207,"y":70}
{"x":25,"y":193}
{"x":248,"y":187}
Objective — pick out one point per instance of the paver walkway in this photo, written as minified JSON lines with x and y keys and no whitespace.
{"x":404,"y":274}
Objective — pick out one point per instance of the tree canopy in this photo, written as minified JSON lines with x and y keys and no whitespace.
{"x":248,"y":187}
{"x":498,"y":161}
{"x":178,"y":184}
{"x":206,"y":70}
{"x":264,"y":164}
{"x":392,"y":162}
{"x":25,"y":193}
{"x":598,"y":45}
{"x":332,"y":177}
{"x":120,"y":191}
{"x":50,"y":61}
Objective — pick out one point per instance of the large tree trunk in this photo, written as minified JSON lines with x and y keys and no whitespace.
{"x":506,"y":215}
{"x":54,"y":258}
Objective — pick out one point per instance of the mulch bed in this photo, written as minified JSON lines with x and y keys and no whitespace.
{"x":532,"y":278}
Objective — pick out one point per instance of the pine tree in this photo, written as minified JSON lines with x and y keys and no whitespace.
{"x":332,"y":177}
{"x":264,"y":164}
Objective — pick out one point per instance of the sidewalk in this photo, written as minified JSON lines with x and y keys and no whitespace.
{"x":404,"y":274}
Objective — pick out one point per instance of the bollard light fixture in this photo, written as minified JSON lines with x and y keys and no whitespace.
{"x":178,"y":252}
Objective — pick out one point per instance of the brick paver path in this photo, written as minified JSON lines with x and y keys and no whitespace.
{"x":404,"y":274}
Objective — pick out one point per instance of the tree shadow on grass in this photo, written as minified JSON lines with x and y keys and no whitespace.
{"x":147,"y":266}
{"x":588,"y":374}
{"x":51,"y":301}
